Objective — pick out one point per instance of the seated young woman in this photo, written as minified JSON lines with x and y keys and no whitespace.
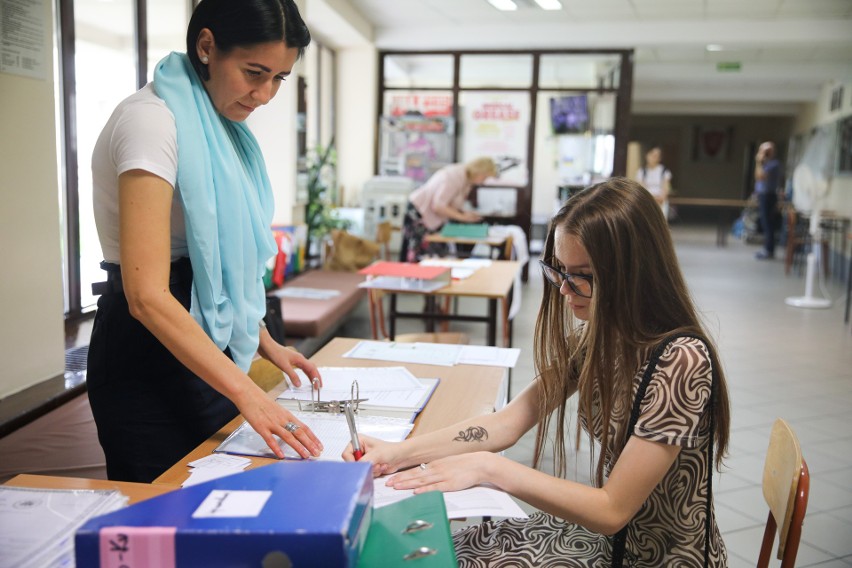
{"x":616,"y":313}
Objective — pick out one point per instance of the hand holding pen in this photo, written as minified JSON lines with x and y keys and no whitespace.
{"x":357,"y":452}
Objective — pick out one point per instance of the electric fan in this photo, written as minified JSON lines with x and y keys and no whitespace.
{"x":810,"y":187}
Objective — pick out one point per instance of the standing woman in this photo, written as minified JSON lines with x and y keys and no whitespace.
{"x":615,"y":314}
{"x":439,"y":200}
{"x":656,"y":178}
{"x":183,"y":208}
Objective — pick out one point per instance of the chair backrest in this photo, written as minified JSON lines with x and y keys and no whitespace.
{"x":265,"y":374}
{"x":786,"y":485}
{"x":384,"y":230}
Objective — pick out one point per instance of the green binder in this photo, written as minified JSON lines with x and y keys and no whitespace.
{"x":416,"y":528}
{"x":465,"y":230}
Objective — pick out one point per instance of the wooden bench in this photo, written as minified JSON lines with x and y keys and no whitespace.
{"x":310,"y":323}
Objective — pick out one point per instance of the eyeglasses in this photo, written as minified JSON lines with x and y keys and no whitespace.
{"x":580,"y":284}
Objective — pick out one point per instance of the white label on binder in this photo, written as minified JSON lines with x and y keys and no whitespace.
{"x":228,"y":504}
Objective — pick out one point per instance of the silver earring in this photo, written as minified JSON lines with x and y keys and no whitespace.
{"x":205,"y":60}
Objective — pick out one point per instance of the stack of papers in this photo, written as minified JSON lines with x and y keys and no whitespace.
{"x":37,"y":526}
{"x":213,"y":467}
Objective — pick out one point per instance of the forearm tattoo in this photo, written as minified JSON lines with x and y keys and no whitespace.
{"x":472,"y":434}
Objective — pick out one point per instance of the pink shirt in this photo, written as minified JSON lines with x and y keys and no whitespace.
{"x":448,"y":186}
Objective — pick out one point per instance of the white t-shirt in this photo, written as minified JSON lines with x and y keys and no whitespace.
{"x":140,"y":135}
{"x":652,"y":178}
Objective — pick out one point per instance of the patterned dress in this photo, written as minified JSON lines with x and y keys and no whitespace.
{"x":669,"y":528}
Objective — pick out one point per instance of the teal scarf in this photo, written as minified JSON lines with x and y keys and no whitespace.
{"x":228,"y":204}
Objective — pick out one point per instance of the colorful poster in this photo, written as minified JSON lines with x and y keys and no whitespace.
{"x":496,"y":124}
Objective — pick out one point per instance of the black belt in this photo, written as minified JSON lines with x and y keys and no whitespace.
{"x":180,"y":271}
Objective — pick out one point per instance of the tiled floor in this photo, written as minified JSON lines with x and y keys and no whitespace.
{"x":780,"y":362}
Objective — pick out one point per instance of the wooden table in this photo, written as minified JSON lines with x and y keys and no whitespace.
{"x":464,"y":391}
{"x":723,"y":206}
{"x":135,"y":491}
{"x":493,"y":283}
{"x":498,"y":243}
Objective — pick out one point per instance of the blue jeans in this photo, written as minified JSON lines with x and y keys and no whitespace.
{"x":767,"y":204}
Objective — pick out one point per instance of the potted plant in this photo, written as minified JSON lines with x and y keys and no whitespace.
{"x":320,"y":215}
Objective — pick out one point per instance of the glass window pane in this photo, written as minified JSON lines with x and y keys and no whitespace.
{"x":167,"y":20}
{"x":418,"y":71}
{"x":106,"y":74}
{"x":581,"y":71}
{"x":496,"y":71}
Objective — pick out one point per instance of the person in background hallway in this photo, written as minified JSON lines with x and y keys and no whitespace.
{"x":439,"y":200}
{"x":656,"y":178}
{"x":767,"y":175}
{"x":616,"y":312}
{"x":183,"y":207}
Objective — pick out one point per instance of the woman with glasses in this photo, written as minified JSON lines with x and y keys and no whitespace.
{"x":618,"y":330}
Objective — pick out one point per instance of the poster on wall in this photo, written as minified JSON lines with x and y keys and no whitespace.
{"x":421,"y":104}
{"x":712,"y":144}
{"x":22,"y":38}
{"x":496,"y":124}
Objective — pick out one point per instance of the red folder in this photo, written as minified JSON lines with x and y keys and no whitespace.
{"x":405,"y":270}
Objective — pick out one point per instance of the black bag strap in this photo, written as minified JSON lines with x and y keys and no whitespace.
{"x":619,"y":541}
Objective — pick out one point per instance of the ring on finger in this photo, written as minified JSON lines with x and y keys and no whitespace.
{"x":291,"y":427}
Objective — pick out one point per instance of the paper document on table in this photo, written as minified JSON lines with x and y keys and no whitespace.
{"x":491,"y":356}
{"x":423,"y":353}
{"x":331,"y":429}
{"x":37,"y":526}
{"x":472,"y":502}
{"x":306,"y":293}
{"x":213,"y":467}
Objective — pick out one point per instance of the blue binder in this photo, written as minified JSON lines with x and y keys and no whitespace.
{"x":310,"y":513}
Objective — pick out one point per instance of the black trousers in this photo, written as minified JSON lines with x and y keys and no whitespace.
{"x":767,"y":204}
{"x":150,"y":410}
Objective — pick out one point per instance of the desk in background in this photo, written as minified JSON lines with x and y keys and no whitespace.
{"x":495,"y":243}
{"x":492,"y":282}
{"x":464,"y":391}
{"x":728,"y":211}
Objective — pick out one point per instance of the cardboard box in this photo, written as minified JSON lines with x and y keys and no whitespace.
{"x":309,"y":513}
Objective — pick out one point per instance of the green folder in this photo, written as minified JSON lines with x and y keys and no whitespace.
{"x":388,"y":543}
{"x":465,"y":230}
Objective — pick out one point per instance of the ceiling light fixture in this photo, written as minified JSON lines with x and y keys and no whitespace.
{"x":549,"y":4}
{"x":714,"y":47}
{"x":505,"y":5}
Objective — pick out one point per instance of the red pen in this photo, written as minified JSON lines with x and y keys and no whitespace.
{"x":356,"y":443}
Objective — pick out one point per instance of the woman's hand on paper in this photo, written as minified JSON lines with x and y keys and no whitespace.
{"x":452,"y":473}
{"x":269,"y":419}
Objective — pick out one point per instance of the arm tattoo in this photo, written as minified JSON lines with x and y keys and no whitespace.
{"x":472,"y":434}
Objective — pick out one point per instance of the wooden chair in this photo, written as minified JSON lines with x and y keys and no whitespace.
{"x":265,"y":374}
{"x":786,"y":485}
{"x":799,"y":241}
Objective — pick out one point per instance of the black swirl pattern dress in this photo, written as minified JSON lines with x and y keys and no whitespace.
{"x":669,"y":528}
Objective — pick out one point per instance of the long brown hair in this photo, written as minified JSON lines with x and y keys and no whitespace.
{"x":639,"y":298}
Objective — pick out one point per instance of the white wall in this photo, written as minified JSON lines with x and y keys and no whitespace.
{"x":32,"y":335}
{"x":357,"y":69}
{"x":274,"y":126}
